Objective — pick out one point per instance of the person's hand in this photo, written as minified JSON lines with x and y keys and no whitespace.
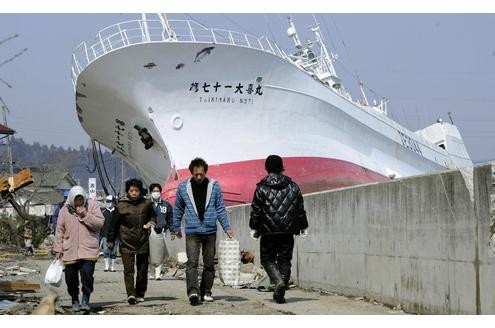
{"x":110,"y":245}
{"x":147,"y":226}
{"x":172,"y":236}
{"x":230,"y":233}
{"x":58,"y":256}
{"x":254,"y":234}
{"x":179,"y":234}
{"x":81,"y":211}
{"x":304,"y":233}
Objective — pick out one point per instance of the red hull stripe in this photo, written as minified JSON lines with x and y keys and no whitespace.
{"x":238,"y":180}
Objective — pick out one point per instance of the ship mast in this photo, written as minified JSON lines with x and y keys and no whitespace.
{"x":166,"y":26}
{"x":320,"y":65}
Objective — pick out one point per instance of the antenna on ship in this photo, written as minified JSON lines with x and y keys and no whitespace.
{"x":292,"y":33}
{"x":450,"y":117}
{"x":361,"y":85}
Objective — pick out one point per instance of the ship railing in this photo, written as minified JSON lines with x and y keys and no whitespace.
{"x":137,"y":31}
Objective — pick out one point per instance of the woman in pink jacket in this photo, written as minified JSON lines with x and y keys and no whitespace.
{"x":77,"y":243}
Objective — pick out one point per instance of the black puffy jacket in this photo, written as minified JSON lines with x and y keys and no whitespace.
{"x":277,"y":206}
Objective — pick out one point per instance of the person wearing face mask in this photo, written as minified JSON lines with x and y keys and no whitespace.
{"x":77,"y":243}
{"x":108,"y":255}
{"x":132,"y":220}
{"x":164,"y":220}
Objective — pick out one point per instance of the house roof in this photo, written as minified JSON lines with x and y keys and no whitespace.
{"x":51,"y":197}
{"x":52,"y":178}
{"x":6,"y":130}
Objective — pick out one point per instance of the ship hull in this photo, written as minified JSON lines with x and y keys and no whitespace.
{"x":233,"y":106}
{"x":238,"y":180}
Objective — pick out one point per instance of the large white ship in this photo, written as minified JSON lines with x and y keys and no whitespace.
{"x":161,"y":92}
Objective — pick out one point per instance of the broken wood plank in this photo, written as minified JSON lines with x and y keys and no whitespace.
{"x":18,"y":285}
{"x":21,"y":179}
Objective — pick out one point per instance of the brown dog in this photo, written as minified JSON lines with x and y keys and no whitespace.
{"x":47,"y":304}
{"x":247,"y":256}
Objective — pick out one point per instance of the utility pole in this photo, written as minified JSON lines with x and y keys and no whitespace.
{"x":9,"y":146}
{"x":122,"y":187}
{"x":5,"y":108}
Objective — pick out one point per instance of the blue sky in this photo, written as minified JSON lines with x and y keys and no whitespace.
{"x":426,"y":64}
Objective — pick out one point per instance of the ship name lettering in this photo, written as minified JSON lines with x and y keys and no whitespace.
{"x":239,"y":88}
{"x":410,"y":143}
{"x":117,"y":133}
{"x":227,"y":100}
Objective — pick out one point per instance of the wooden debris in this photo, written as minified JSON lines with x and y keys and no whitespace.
{"x":18,"y":181}
{"x":19,"y":286}
{"x":28,"y":270}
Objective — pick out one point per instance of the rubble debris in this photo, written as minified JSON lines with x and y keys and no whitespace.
{"x":18,"y":285}
{"x":28,"y":270}
{"x":48,"y":243}
{"x":247,"y":268}
{"x":182,"y":257}
{"x":16,"y":270}
{"x":6,"y":306}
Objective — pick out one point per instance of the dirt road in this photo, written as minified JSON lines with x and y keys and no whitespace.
{"x":168,"y":296}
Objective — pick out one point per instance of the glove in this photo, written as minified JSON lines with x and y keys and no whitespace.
{"x":304,"y":233}
{"x":158,"y":230}
{"x":254,"y":234}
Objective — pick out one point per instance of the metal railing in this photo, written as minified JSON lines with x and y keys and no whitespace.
{"x":137,"y":31}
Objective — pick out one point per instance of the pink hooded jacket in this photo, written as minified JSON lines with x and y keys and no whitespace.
{"x":78,"y":238}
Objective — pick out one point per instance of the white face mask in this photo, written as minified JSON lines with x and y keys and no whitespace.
{"x":155,"y":195}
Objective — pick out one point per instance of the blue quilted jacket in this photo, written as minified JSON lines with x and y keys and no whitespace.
{"x":185,"y":206}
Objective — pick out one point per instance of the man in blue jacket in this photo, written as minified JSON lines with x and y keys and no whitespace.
{"x":200,"y":200}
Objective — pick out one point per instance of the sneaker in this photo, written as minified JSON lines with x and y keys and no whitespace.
{"x":76,"y":307}
{"x":159,"y":277}
{"x":151,"y":277}
{"x":208,"y":298}
{"x":140,"y":299}
{"x":85,"y":307}
{"x":193,"y":298}
{"x":131,"y":300}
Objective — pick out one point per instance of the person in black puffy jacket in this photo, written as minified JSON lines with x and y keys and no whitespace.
{"x":277,"y":214}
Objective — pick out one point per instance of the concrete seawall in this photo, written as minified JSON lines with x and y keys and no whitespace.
{"x":420,"y":243}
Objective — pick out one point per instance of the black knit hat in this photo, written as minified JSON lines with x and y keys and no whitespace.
{"x":274,"y":163}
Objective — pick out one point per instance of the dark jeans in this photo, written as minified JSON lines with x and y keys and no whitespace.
{"x":277,"y":249}
{"x":193,"y":245}
{"x":141,"y":261}
{"x":72,"y":271}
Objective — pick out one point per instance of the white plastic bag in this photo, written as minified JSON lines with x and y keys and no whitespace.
{"x":229,"y":261}
{"x":53,"y":274}
{"x":158,"y":249}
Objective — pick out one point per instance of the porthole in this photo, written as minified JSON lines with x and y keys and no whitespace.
{"x":177,"y":122}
